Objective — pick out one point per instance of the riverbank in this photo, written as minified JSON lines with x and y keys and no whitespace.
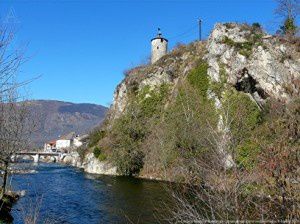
{"x":9,"y":199}
{"x":90,"y":164}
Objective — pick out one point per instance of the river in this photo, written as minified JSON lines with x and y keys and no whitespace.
{"x":63,"y":194}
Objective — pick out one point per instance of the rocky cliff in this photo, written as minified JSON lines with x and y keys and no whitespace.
{"x":160,"y":113}
{"x":254,"y":62}
{"x":248,"y":56}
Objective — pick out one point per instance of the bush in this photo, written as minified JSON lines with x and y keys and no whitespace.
{"x":95,"y":136}
{"x":198,"y":78}
{"x":129,"y":162}
{"x":289,"y":27}
{"x":256,"y":25}
{"x":247,"y":155}
{"x":102,"y":157}
{"x":97,"y":152}
{"x":245,"y":48}
{"x":243,"y":113}
{"x":151,"y":101}
{"x":128,"y":133}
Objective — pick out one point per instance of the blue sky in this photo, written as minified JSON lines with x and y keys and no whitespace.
{"x":81,"y":47}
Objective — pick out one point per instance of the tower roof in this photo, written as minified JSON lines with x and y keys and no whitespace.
{"x":159,"y":36}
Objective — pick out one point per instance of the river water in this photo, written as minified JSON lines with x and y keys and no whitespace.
{"x":62,"y":194}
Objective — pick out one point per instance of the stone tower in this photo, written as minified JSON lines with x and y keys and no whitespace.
{"x":159,"y":47}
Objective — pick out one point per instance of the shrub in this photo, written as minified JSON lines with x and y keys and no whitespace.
{"x":198,"y":78}
{"x":127,"y":134}
{"x":129,"y":162}
{"x":102,"y":157}
{"x":97,"y":152}
{"x":151,"y":101}
{"x":289,"y":27}
{"x":256,"y":25}
{"x":245,"y":48}
{"x":243,"y":113}
{"x":95,"y":136}
{"x":247,"y":155}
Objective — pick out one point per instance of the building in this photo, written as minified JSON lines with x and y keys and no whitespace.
{"x":63,"y":144}
{"x":66,"y":143}
{"x":159,"y":47}
{"x":50,"y":146}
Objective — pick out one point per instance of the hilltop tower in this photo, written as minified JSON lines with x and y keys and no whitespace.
{"x":159,"y":47}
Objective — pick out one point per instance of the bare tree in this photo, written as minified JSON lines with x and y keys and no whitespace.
{"x":13,"y":117}
{"x":269,"y":193}
{"x":288,"y":8}
{"x":220,"y":196}
{"x":13,"y":114}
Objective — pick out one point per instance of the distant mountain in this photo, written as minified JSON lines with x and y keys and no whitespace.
{"x":55,"y":118}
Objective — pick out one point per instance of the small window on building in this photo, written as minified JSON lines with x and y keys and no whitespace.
{"x":157,"y":48}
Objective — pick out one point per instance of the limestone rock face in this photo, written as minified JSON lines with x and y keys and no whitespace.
{"x":90,"y":164}
{"x":272,"y":64}
{"x":93,"y":165}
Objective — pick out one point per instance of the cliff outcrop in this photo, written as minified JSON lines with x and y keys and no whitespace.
{"x":162,"y":114}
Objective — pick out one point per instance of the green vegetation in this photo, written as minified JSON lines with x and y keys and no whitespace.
{"x":242,"y":110}
{"x":150,"y":100}
{"x":95,"y":136}
{"x":247,"y":155}
{"x":289,"y":27}
{"x":238,"y":149}
{"x":127,"y":135}
{"x":98,"y":153}
{"x":129,"y":131}
{"x":102,"y":157}
{"x":256,"y":25}
{"x":245,"y":48}
{"x":198,"y":78}
{"x":243,"y":116}
{"x":133,"y":136}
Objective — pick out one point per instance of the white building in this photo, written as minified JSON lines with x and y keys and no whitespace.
{"x":159,"y":47}
{"x":65,"y":143}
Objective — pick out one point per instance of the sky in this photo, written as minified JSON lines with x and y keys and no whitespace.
{"x":79,"y":49}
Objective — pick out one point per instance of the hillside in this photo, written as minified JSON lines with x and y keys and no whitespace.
{"x":55,"y":118}
{"x":164,"y":114}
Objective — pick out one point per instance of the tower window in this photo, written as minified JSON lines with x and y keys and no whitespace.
{"x":157,"y":47}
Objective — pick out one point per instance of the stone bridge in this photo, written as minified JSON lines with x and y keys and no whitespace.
{"x":36,"y":155}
